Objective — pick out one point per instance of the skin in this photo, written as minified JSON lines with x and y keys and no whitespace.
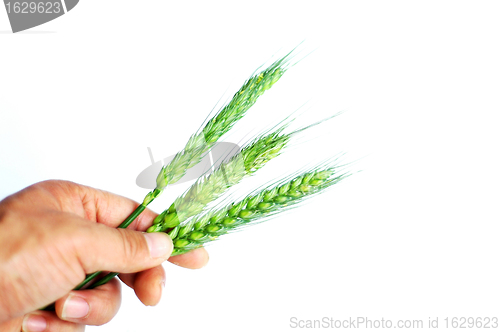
{"x":53,"y":233}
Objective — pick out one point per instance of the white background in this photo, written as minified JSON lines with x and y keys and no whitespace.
{"x":412,"y":236}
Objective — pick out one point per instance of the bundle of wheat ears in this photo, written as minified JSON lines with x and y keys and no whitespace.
{"x":188,"y":221}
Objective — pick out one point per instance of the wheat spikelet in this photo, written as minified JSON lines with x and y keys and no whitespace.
{"x":254,"y":208}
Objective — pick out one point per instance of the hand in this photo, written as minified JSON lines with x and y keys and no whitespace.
{"x":53,"y":233}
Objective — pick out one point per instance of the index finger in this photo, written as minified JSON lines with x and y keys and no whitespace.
{"x":112,"y":209}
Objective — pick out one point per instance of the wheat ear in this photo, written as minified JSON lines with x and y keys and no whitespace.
{"x":199,"y":143}
{"x":255,"y":208}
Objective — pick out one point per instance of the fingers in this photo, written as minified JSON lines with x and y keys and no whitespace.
{"x":98,"y":306}
{"x":47,"y":321}
{"x":101,"y":248}
{"x":91,"y":307}
{"x":111,"y":209}
{"x":194,"y":259}
{"x":148,"y":285}
{"x":13,"y":325}
{"x":90,"y":203}
{"x":74,"y":311}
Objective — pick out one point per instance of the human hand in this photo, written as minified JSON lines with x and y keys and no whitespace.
{"x":53,"y":233}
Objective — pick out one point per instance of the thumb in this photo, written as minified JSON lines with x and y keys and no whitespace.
{"x":102,"y":248}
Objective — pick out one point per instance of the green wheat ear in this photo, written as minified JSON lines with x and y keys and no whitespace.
{"x":208,"y":188}
{"x":199,"y":143}
{"x":254,"y":208}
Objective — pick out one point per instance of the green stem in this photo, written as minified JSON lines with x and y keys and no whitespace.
{"x":87,"y":279}
{"x":104,"y":280}
{"x":132,"y":216}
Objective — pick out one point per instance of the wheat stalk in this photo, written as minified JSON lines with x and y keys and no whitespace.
{"x":254,"y":208}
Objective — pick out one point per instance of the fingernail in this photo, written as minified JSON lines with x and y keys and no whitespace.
{"x":160,"y":244}
{"x":162,"y":286}
{"x":75,"y":307}
{"x":34,"y":323}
